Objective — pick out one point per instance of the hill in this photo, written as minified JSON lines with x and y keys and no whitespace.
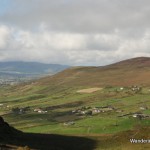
{"x":129,"y":72}
{"x":10,"y":138}
{"x":13,"y":72}
{"x":99,"y":103}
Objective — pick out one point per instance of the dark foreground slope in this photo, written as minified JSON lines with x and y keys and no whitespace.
{"x":125,"y":73}
{"x":11,"y":136}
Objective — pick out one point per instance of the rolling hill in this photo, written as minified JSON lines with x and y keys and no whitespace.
{"x":10,"y":138}
{"x":98,"y":103}
{"x":129,"y":72}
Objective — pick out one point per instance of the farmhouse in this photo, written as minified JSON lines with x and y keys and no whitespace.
{"x":121,"y":88}
{"x":92,"y":111}
{"x":96,"y":111}
{"x":39,"y":110}
{"x":143,"y":108}
{"x":140,"y":116}
{"x":136,"y":88}
{"x":69,"y":123}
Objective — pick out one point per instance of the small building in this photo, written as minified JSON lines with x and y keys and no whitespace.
{"x":135,"y":115}
{"x":143,"y":108}
{"x":69,"y":123}
{"x":140,"y":116}
{"x":121,"y":88}
{"x":39,"y":110}
{"x":96,"y":111}
{"x":136,"y":88}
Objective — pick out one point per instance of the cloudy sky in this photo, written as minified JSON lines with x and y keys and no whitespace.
{"x":74,"y":32}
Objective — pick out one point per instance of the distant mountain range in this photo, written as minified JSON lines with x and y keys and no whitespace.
{"x":23,"y":70}
{"x":124,"y":73}
{"x":18,"y":67}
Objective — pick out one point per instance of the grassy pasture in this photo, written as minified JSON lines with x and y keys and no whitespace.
{"x":66,"y":99}
{"x":101,"y":127}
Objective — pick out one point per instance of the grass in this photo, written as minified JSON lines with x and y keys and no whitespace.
{"x":102,"y":123}
{"x":59,"y":94}
{"x":100,"y":128}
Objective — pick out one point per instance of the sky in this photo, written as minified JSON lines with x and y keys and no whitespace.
{"x":74,"y":32}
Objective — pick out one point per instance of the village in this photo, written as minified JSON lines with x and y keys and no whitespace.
{"x":84,"y":111}
{"x":91,"y":111}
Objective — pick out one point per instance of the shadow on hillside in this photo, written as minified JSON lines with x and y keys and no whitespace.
{"x":52,"y":142}
{"x":12,"y":136}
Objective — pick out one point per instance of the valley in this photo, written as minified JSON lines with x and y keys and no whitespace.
{"x":15,"y":72}
{"x":99,"y":103}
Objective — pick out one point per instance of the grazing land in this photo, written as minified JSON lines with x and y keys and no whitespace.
{"x":108,"y":104}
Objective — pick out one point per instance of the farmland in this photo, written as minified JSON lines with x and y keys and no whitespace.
{"x":96,"y":111}
{"x":61,"y":106}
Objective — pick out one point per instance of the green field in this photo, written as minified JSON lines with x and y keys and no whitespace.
{"x":99,"y":105}
{"x":62,"y":101}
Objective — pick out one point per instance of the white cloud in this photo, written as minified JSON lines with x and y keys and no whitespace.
{"x":81,"y":32}
{"x":70,"y":48}
{"x":4,"y":36}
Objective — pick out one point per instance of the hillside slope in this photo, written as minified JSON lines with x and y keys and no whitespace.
{"x":62,"y":104}
{"x":10,"y":138}
{"x":134,"y":71}
{"x":9,"y":135}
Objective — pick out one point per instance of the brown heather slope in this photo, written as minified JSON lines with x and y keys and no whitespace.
{"x":129,"y":72}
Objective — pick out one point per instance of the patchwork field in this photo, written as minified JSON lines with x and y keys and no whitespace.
{"x":54,"y":105}
{"x":55,"y":112}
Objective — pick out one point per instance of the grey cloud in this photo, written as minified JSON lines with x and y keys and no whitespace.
{"x":69,"y":48}
{"x":80,"y":15}
{"x":103,"y":42}
{"x":75,"y":32}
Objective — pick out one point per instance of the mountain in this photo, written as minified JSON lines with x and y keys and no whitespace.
{"x":17,"y":67}
{"x":74,"y":102}
{"x":135,"y":71}
{"x":12,"y":71}
{"x":133,"y":62}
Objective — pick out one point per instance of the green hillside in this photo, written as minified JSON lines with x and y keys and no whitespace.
{"x":83,"y":101}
